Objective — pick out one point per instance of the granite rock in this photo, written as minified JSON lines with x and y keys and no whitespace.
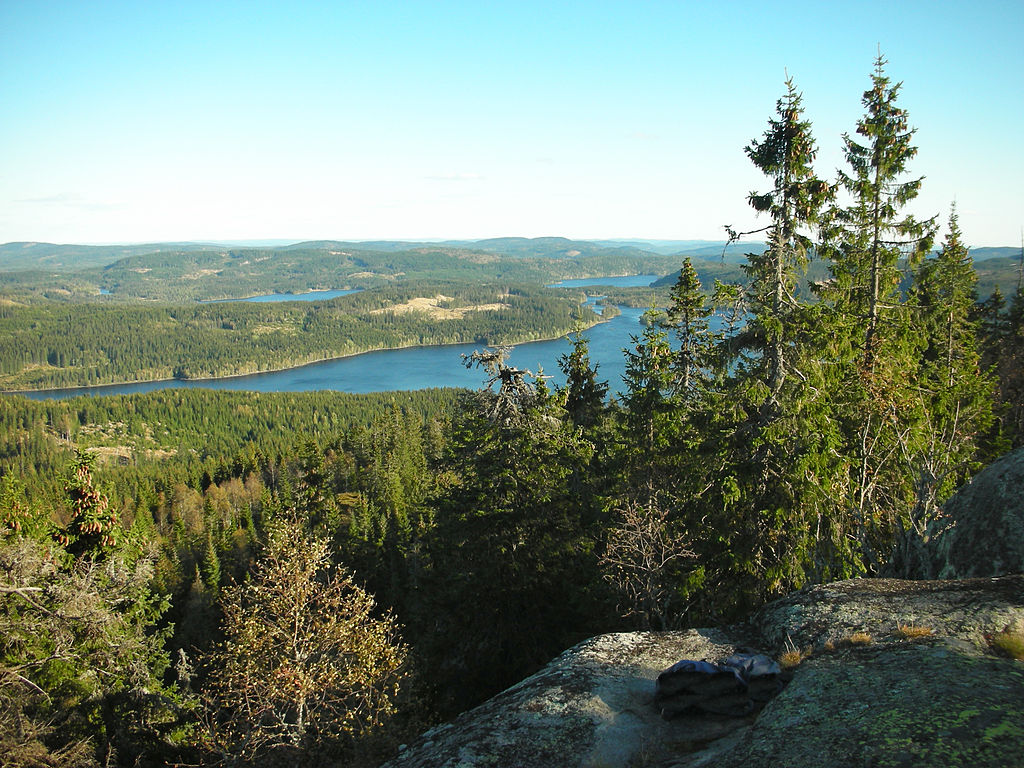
{"x":866,"y":693}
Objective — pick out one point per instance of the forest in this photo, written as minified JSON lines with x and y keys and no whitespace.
{"x":81,"y":344}
{"x":203,"y":578}
{"x":201,"y":275}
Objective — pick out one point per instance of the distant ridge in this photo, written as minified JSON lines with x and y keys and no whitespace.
{"x":20,"y":256}
{"x":24,"y":256}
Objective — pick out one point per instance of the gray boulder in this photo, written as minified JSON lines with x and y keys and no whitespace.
{"x":868,"y":692}
{"x":981,"y":532}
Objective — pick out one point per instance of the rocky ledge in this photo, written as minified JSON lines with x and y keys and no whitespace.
{"x":881,"y":672}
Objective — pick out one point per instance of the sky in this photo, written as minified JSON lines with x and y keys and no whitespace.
{"x":170,"y":121}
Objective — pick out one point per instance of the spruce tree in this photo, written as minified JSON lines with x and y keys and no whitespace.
{"x":871,"y":236}
{"x":584,"y":394}
{"x":511,"y":565}
{"x":874,"y":344}
{"x":689,"y":314}
{"x":785,"y":155}
{"x":766,"y":482}
{"x":1010,"y":364}
{"x":955,"y":394}
{"x":649,"y":388}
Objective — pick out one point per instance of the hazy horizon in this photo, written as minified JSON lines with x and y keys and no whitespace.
{"x":295,"y":241}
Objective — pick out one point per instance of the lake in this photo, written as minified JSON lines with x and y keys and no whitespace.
{"x":308,"y":296}
{"x":622,"y":281}
{"x":405,"y":369}
{"x":416,"y":367}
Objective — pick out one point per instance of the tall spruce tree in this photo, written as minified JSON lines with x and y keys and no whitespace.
{"x":1011,"y":372}
{"x":648,"y":425}
{"x":511,"y":566}
{"x":762,"y":502}
{"x":785,"y":155}
{"x":645,"y":548}
{"x":872,"y":234}
{"x":874,"y":342}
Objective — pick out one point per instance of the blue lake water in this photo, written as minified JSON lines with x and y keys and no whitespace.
{"x":415,"y":367}
{"x":622,"y":281}
{"x":407,"y":369}
{"x":309,"y":296}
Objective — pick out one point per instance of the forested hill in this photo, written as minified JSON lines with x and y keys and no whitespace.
{"x":197,"y":272}
{"x":27,"y":255}
{"x":219,"y":274}
{"x":20,"y":256}
{"x":31,"y":272}
{"x":81,"y":344}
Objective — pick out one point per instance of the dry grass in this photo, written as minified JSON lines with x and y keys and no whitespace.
{"x":859,"y":638}
{"x":1009,"y":643}
{"x":792,"y":658}
{"x":913,"y":631}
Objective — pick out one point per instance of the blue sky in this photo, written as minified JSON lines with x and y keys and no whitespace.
{"x":150,"y":121}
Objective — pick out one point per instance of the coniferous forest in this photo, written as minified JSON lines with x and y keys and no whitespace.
{"x":206,"y":577}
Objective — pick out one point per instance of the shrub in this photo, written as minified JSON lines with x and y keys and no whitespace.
{"x":307,"y":658}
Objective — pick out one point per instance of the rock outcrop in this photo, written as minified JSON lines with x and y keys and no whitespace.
{"x":981,"y":532}
{"x":895,"y":673}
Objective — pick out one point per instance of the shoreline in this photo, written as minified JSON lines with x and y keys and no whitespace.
{"x":226,"y":377}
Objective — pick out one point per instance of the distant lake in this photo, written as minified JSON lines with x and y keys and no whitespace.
{"x":309,"y":296}
{"x":622,"y":281}
{"x":407,"y":369}
{"x":414,"y":367}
